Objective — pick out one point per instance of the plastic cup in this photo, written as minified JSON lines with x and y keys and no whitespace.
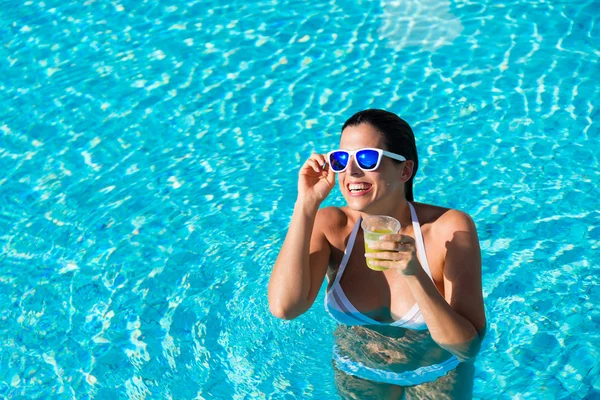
{"x":374,"y":227}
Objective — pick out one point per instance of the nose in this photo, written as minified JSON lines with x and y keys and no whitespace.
{"x":353,"y":168}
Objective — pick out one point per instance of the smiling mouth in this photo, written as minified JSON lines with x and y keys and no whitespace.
{"x":358,"y":189}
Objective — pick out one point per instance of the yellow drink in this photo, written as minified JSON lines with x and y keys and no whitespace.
{"x":373,"y":237}
{"x":373,"y":227}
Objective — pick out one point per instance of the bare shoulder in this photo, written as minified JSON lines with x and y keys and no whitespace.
{"x":335,"y":213}
{"x":445,"y":222}
{"x":332,"y":219}
{"x":334,"y":222}
{"x":453,"y":221}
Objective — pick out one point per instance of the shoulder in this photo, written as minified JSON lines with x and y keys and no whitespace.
{"x":335,"y":216}
{"x":335,"y":213}
{"x":445,"y":222}
{"x":454,"y":221}
{"x":334,"y":220}
{"x":456,"y":236}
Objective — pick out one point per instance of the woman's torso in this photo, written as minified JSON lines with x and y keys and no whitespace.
{"x":384,"y":297}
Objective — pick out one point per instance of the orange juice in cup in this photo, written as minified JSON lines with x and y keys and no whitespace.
{"x":373,"y":227}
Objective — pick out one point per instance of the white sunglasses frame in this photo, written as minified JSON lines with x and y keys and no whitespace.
{"x":352,"y":153}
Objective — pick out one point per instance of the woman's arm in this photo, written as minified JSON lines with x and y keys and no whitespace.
{"x":302,"y":262}
{"x":456,"y":320}
{"x":301,"y":265}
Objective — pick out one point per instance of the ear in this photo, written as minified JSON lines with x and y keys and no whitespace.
{"x":407,"y":170}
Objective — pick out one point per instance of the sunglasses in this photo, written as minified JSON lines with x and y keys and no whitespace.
{"x":367,"y":159}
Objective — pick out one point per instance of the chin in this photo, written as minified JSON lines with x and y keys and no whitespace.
{"x":359,"y":204}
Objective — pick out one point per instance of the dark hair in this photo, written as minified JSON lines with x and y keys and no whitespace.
{"x":397,"y":134}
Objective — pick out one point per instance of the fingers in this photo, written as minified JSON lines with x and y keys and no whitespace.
{"x":316,"y":161}
{"x":392,"y":246}
{"x":315,"y":165}
{"x":330,"y":174}
{"x":382,"y":264}
{"x":394,"y":242}
{"x":397,"y":237}
{"x":392,"y":256}
{"x":320,"y":159}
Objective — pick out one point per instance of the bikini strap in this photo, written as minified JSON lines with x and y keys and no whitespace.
{"x":347,"y":252}
{"x":419,"y":240}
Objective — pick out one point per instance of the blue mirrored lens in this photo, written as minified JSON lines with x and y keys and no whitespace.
{"x":367,"y":159}
{"x":338,"y":160}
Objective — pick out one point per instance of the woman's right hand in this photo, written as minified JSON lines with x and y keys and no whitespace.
{"x":314,"y":182}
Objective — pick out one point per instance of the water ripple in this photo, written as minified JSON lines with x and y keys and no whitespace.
{"x":149,"y":156}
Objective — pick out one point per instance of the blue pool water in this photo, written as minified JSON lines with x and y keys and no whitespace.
{"x":148,"y":162}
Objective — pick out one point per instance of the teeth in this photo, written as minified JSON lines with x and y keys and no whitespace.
{"x":355,"y":187}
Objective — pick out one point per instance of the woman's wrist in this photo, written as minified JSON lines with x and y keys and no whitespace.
{"x":414,"y":269}
{"x":420,"y":283}
{"x":307,"y":207}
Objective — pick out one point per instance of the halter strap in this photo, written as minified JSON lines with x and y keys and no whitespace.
{"x":347,"y":252}
{"x":419,"y":240}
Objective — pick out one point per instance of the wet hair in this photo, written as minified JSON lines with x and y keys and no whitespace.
{"x":397,"y":134}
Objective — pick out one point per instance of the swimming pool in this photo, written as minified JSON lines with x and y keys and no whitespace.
{"x":149,"y":155}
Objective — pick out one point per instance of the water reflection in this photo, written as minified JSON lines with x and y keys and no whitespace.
{"x":427,"y":23}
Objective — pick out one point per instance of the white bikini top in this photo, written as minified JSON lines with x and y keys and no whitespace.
{"x":340,"y":308}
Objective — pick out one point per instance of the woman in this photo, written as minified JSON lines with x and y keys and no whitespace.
{"x":413,"y":329}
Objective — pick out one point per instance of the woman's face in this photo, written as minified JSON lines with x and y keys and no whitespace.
{"x":371,"y":191}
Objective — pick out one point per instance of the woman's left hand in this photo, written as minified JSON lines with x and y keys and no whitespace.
{"x":396,"y":251}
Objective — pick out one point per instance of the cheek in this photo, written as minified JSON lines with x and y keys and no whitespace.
{"x":389,"y":182}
